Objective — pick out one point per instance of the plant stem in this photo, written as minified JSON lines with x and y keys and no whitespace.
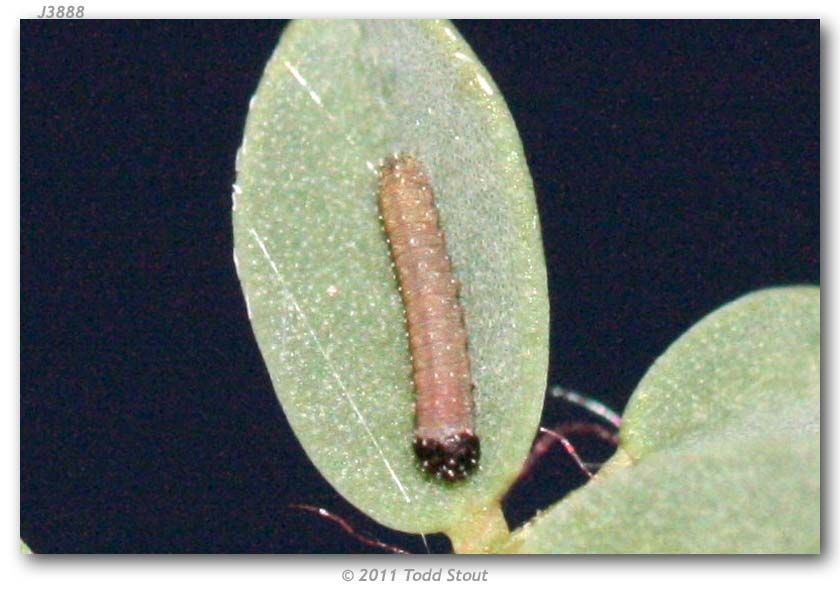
{"x":485,"y":532}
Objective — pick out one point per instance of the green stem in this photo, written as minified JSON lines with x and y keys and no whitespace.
{"x":484,"y":532}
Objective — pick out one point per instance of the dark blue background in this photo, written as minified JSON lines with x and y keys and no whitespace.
{"x":676,"y":166}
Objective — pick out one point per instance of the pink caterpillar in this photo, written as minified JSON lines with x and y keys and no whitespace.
{"x":444,"y":438}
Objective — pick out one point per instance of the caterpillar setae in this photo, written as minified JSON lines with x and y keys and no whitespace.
{"x":444,"y":438}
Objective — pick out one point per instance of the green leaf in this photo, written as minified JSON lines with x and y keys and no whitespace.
{"x":336,"y":99}
{"x":720,"y":444}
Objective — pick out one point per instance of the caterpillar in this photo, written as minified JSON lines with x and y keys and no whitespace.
{"x":445,"y":442}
